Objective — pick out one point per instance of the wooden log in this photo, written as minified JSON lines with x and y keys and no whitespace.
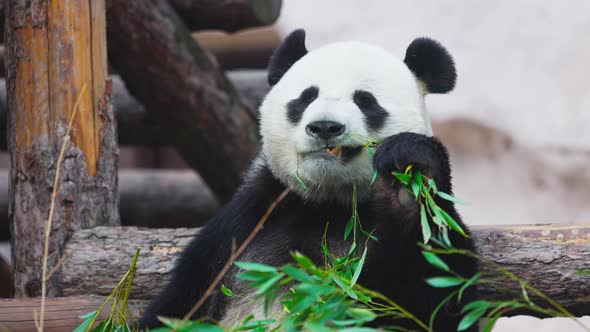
{"x":229,"y":16}
{"x":148,"y":198}
{"x":547,"y":256}
{"x":175,"y":80}
{"x":165,"y":198}
{"x":53,"y":50}
{"x":136,"y":126}
{"x":61,"y":314}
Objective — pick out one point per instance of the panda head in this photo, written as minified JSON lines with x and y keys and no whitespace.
{"x":324,"y":105}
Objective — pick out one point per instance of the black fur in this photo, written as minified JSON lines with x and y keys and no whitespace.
{"x":297,"y":106}
{"x":394,"y":265}
{"x":432,"y":65}
{"x":375,"y":115}
{"x":290,"y":51}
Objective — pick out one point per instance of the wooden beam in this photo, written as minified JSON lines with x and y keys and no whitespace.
{"x":165,"y":198}
{"x":52,"y":53}
{"x":547,"y":256}
{"x":136,"y":126}
{"x":229,"y":16}
{"x":165,"y":69}
{"x":148,"y":198}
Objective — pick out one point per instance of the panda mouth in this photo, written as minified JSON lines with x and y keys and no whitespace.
{"x":342,"y":153}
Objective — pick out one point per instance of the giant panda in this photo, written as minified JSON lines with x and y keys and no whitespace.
{"x":319,"y":103}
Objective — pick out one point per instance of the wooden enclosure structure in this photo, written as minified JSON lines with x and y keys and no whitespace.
{"x":167,"y":90}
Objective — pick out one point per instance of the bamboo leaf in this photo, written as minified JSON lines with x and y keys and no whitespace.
{"x":251,"y":266}
{"x":450,"y":198}
{"x":86,"y":323}
{"x":467,"y":285}
{"x":374,"y":177}
{"x":403,"y":178}
{"x":444,"y":282}
{"x":435,"y":261}
{"x":470,"y":319}
{"x":359,"y":268}
{"x":226,"y":291}
{"x":426,"y":231}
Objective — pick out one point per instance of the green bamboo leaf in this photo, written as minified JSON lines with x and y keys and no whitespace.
{"x":226,"y":291}
{"x":253,"y":324}
{"x":346,"y":287}
{"x":268,"y":284}
{"x":583,"y":272}
{"x":444,"y":282}
{"x":417,"y":178}
{"x":122,"y":328}
{"x":435,"y":261}
{"x":450,"y":198}
{"x":300,"y":180}
{"x":415,"y":189}
{"x":452,"y":223}
{"x":349,"y":227}
{"x":432,"y":186}
{"x":403,"y":178}
{"x":303,"y":261}
{"x":253,"y":276}
{"x":491,"y":323}
{"x":467,"y":285}
{"x":359,"y":268}
{"x":104,"y":326}
{"x":470,"y":319}
{"x":444,"y":232}
{"x":88,"y":315}
{"x":85,"y":324}
{"x":426,"y":231}
{"x":374,"y":177}
{"x":359,"y":329}
{"x":251,"y":266}
{"x":316,"y":327}
{"x":362,"y":314}
{"x":476,"y":304}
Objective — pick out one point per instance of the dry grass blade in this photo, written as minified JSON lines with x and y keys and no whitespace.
{"x":52,"y":208}
{"x":234,"y":256}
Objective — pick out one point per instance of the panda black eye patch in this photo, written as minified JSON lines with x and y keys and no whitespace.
{"x":297,"y":106}
{"x":375,"y":115}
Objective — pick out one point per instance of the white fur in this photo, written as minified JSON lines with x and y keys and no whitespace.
{"x":338,"y":70}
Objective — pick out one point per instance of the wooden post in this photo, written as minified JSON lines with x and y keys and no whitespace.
{"x":54,"y":51}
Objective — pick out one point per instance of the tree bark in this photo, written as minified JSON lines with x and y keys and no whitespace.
{"x":177,"y":83}
{"x":547,"y":256}
{"x":53,"y":50}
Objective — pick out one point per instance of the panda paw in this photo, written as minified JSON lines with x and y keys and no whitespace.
{"x":427,"y":155}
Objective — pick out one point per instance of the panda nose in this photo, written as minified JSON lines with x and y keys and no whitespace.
{"x":325,"y":129}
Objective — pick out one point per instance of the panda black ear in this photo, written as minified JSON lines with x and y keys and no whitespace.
{"x":432,"y":65}
{"x":290,"y":51}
